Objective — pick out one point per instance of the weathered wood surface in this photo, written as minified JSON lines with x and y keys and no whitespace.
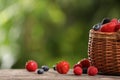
{"x":22,"y":74}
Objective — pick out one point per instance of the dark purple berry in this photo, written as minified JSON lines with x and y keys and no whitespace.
{"x":97,"y":26}
{"x":85,"y":70}
{"x":40,"y":71}
{"x":45,"y":68}
{"x":54,"y":67}
{"x":105,"y":20}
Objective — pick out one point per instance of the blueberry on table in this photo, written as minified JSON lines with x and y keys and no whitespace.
{"x":105,"y":20}
{"x":54,"y":67}
{"x":40,"y":71}
{"x":45,"y":68}
{"x":97,"y":26}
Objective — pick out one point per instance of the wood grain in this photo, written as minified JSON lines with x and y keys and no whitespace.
{"x":22,"y":74}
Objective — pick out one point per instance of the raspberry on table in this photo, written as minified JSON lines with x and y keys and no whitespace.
{"x":77,"y":70}
{"x":62,"y":67}
{"x":77,"y":65}
{"x":85,"y":63}
{"x":92,"y":70}
{"x":31,"y":65}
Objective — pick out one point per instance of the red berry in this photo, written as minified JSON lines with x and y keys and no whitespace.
{"x":108,"y":27}
{"x":31,"y":65}
{"x":77,"y":71}
{"x":62,"y":67}
{"x":85,"y":63}
{"x":117,"y":27}
{"x":92,"y":70}
{"x":114,"y":20}
{"x":77,"y":65}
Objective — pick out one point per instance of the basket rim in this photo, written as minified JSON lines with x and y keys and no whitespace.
{"x":106,"y":35}
{"x":99,"y":32}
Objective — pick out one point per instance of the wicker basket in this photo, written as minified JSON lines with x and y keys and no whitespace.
{"x":104,"y":51}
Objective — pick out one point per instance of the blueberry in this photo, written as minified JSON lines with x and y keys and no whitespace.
{"x":45,"y":68}
{"x":85,"y":70}
{"x":97,"y":26}
{"x":54,"y":67}
{"x":105,"y":20}
{"x":40,"y":71}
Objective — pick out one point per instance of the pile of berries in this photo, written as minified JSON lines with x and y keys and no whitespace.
{"x":63,"y":67}
{"x":107,"y":25}
{"x":32,"y":66}
{"x":82,"y":66}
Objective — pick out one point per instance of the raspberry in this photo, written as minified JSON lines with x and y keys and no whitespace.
{"x":92,"y":70}
{"x":85,"y":63}
{"x":77,"y":70}
{"x":77,"y":65}
{"x":114,"y":20}
{"x":31,"y":65}
{"x":62,"y":67}
{"x":117,"y":27}
{"x":108,"y":27}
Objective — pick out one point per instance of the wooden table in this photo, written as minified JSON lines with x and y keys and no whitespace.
{"x":22,"y":74}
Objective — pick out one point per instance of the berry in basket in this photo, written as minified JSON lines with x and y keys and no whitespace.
{"x":117,"y":27}
{"x":108,"y":27}
{"x":97,"y":26}
{"x":105,"y":20}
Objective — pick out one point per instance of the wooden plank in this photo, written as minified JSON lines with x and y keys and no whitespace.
{"x":22,"y":74}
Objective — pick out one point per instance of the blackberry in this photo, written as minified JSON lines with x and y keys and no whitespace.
{"x":85,"y":70}
{"x":105,"y":20}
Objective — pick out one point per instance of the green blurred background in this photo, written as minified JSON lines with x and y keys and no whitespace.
{"x":48,"y":31}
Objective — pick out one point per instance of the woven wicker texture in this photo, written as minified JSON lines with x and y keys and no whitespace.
{"x":104,"y":51}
